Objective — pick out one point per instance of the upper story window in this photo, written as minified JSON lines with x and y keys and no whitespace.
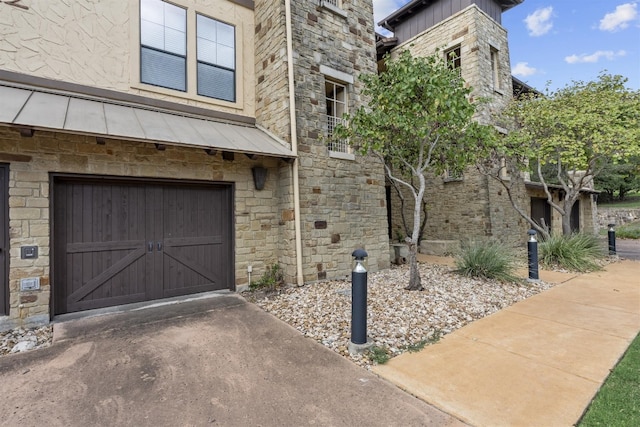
{"x":453,"y":58}
{"x":163,"y":44}
{"x":216,"y":47}
{"x":334,"y":6}
{"x":336,"y":98}
{"x":171,"y":57}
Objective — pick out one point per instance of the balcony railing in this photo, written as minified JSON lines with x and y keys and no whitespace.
{"x":332,"y":2}
{"x":341,"y":145}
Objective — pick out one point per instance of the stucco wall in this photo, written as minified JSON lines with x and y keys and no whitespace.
{"x":96,"y":43}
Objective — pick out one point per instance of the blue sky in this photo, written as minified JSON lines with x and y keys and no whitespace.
{"x":564,"y":40}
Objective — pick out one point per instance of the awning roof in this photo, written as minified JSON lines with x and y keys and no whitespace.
{"x":39,"y":109}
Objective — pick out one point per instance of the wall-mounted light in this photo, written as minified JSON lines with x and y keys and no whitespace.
{"x":259,"y":176}
{"x":26,"y":132}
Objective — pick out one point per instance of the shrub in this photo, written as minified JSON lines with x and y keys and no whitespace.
{"x":272,"y":278}
{"x":379,"y":355}
{"x":629,"y":231}
{"x":487,"y":259}
{"x":577,"y":252}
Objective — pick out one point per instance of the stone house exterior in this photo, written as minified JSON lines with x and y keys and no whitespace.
{"x":152,"y":149}
{"x":470,"y":205}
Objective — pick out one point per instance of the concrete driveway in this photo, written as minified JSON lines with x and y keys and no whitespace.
{"x":216,"y":361}
{"x":628,"y":249}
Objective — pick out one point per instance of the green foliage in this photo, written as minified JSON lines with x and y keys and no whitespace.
{"x":487,"y":259}
{"x":379,"y":355}
{"x":578,"y":127}
{"x":576,"y":252}
{"x":414,"y":348}
{"x":581,"y":127}
{"x":618,"y":401}
{"x":272,"y":278}
{"x":619,"y":179}
{"x":629,"y":231}
{"x":632,"y":200}
{"x":418,"y":116}
{"x":419,"y":119}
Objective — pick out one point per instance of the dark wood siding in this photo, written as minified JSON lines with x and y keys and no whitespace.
{"x":4,"y":239}
{"x":437,"y":11}
{"x":118,"y":242}
{"x":575,"y":217}
{"x":541,"y":212}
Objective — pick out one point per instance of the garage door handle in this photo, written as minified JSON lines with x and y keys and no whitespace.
{"x":150,"y":246}
{"x":159,"y":246}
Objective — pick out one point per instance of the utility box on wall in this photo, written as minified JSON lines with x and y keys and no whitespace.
{"x":30,"y":284}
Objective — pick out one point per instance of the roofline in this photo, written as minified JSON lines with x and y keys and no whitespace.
{"x":416,"y":5}
{"x":539,"y":186}
{"x":525,"y":86}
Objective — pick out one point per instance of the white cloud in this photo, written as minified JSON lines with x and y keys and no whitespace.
{"x":539,"y":22}
{"x":522,"y":69}
{"x":594,"y":57}
{"x":620,"y":18}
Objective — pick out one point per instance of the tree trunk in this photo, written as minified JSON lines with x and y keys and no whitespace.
{"x":415,"y":283}
{"x":566,"y":220}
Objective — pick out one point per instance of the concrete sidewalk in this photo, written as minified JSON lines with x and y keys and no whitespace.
{"x":536,"y":363}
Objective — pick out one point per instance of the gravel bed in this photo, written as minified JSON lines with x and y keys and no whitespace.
{"x":396,"y":318}
{"x":25,"y":339}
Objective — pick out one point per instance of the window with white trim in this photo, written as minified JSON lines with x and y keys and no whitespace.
{"x":454,"y":58}
{"x":336,"y":99}
{"x":216,"y":55}
{"x":163,"y":44}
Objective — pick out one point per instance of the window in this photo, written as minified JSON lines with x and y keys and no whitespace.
{"x":336,"y":96}
{"x":165,"y":50}
{"x":163,"y":44}
{"x":454,"y":60}
{"x":495,"y":69}
{"x":453,"y":175}
{"x":216,"y":59}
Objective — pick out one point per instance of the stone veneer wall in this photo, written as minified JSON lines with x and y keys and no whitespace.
{"x":272,"y":113}
{"x":474,"y":206}
{"x":342,"y":201}
{"x":588,"y":211}
{"x":257,"y":213}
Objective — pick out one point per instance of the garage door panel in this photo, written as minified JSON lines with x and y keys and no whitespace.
{"x":119,"y":242}
{"x":98,"y":271}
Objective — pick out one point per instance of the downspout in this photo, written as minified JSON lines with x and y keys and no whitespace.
{"x":294,"y":143}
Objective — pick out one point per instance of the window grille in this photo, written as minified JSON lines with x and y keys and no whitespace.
{"x":336,"y":97}
{"x":341,"y":145}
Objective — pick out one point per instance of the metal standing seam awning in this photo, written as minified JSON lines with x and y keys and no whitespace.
{"x":38,"y":109}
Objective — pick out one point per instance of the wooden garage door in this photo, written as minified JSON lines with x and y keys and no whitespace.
{"x":119,"y":242}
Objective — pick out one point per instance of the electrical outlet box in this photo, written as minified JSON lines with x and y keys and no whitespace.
{"x":30,"y":284}
{"x":249,"y":269}
{"x":28,"y":252}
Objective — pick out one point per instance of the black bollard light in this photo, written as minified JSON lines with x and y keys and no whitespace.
{"x":359,"y":299}
{"x":532,"y":246}
{"x":612,"y":239}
